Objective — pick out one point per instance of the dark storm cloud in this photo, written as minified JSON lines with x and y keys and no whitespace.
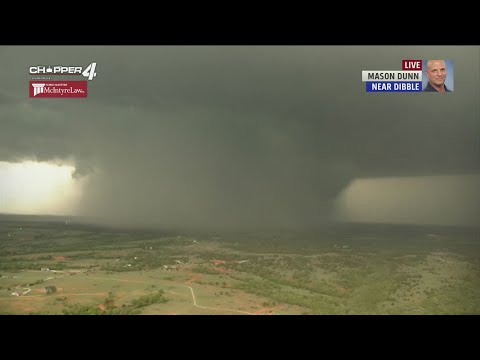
{"x":237,"y":136}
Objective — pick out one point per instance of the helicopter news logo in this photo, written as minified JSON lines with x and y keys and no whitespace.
{"x":88,"y":72}
{"x":45,"y":87}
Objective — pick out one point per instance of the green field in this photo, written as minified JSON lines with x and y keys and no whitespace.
{"x":348,"y":269}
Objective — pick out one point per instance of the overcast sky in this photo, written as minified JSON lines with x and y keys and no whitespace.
{"x":235,"y":136}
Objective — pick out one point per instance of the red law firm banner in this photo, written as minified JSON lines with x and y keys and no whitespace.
{"x":58,"y":89}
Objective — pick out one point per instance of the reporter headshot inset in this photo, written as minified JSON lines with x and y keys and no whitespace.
{"x":438,"y":76}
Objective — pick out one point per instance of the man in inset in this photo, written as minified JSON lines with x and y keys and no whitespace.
{"x":437,"y":74}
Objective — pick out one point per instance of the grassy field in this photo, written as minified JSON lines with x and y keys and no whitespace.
{"x":349,"y":269}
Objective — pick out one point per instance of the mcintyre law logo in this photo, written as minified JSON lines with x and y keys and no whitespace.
{"x":39,"y":87}
{"x":66,"y":89}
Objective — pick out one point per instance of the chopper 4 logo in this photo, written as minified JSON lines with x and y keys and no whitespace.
{"x":89,"y":71}
{"x":40,"y":88}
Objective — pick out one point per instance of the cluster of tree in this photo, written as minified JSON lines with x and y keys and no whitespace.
{"x":317,"y":303}
{"x":15,"y":266}
{"x":133,"y":308}
{"x":144,"y":262}
{"x":156,"y":298}
{"x":95,"y":310}
{"x":119,"y":268}
{"x":50,"y":289}
{"x":202,"y":269}
{"x":109,"y":301}
{"x":36,"y":282}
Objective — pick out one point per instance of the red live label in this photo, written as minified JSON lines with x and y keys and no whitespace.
{"x":411,"y":64}
{"x":58,"y":89}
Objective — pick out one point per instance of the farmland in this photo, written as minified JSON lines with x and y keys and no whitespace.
{"x":60,"y":267}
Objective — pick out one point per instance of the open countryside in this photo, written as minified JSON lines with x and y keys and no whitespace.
{"x":56,"y":266}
